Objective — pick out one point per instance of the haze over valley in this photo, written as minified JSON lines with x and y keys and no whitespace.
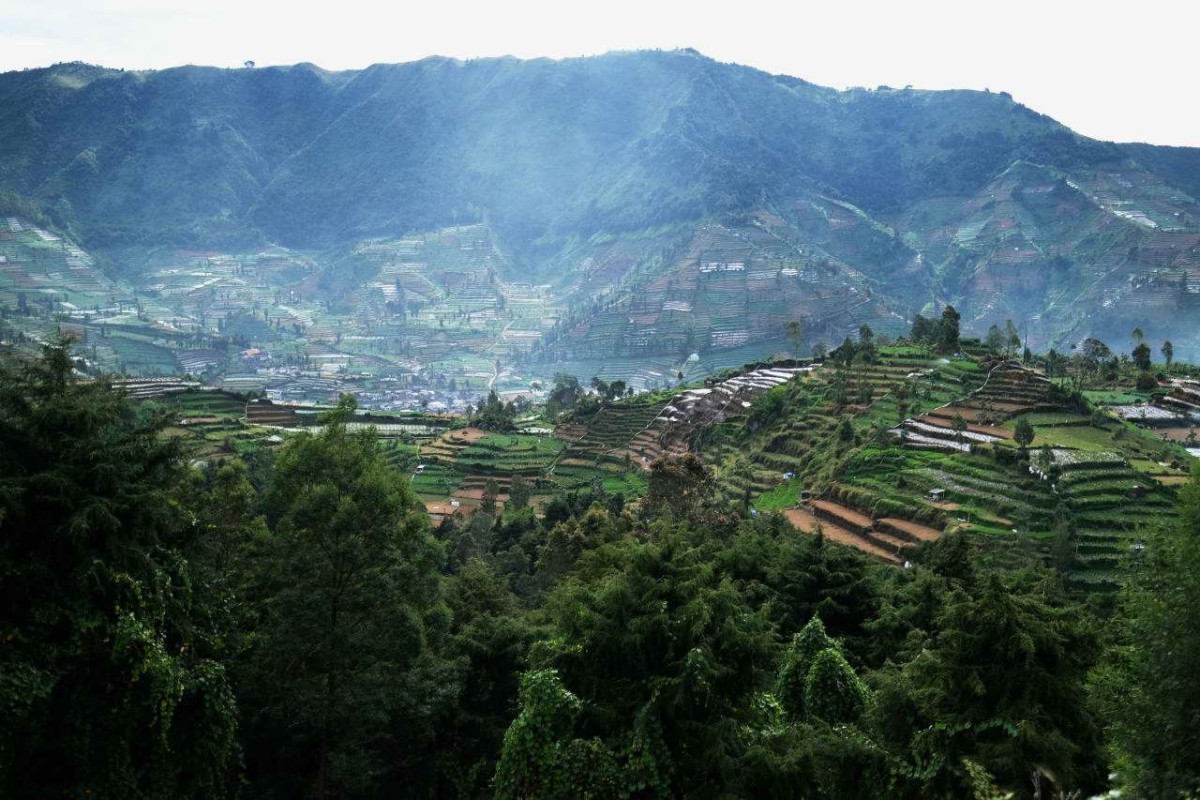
{"x":421,"y":232}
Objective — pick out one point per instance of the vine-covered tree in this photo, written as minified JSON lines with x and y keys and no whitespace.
{"x":833,"y":693}
{"x":793,"y":673}
{"x":542,"y":759}
{"x":108,"y":683}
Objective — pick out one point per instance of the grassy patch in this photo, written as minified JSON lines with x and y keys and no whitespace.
{"x":1092,"y":439}
{"x":631,"y":483}
{"x":785,"y":495}
{"x":1116,"y":397}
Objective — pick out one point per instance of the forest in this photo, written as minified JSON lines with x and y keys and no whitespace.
{"x":290,"y":625}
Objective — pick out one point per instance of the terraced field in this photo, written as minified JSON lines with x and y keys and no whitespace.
{"x":609,"y":444}
{"x":458,"y":464}
{"x":134,"y":355}
{"x":211,"y":424}
{"x":215,"y":403}
{"x":913,"y":381}
{"x":1108,"y":505}
{"x":977,"y":494}
{"x":885,"y":494}
{"x":903,"y":378}
{"x":1009,"y":389}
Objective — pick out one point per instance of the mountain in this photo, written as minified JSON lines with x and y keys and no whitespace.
{"x":840,"y":206}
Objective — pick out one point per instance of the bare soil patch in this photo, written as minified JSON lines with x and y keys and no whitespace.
{"x":466,"y":435}
{"x":848,"y":514}
{"x":805,"y":522}
{"x":920,"y":532}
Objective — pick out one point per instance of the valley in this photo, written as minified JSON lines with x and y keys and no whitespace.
{"x":884,"y":451}
{"x":426,"y":232}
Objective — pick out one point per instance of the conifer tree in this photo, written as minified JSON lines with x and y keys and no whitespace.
{"x":340,"y":680}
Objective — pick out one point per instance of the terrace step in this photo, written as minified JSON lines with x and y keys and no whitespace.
{"x":947,"y":433}
{"x":946,"y":422}
{"x":888,"y":541}
{"x":912,"y":531}
{"x":806,"y":522}
{"x":950,"y":412}
{"x":840,"y":515}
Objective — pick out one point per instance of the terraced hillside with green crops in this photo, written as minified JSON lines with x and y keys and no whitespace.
{"x":785,"y":430}
{"x":211,"y":425}
{"x":882,"y":448}
{"x":608,"y":444}
{"x":1105,"y":477}
{"x":880,"y":455}
{"x":608,"y":447}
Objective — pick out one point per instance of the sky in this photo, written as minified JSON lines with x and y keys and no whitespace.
{"x":1122,"y":72}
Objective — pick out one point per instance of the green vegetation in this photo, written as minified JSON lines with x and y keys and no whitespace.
{"x":348,"y":591}
{"x":1146,"y":684}
{"x":114,"y":678}
{"x":287,"y":624}
{"x":886,"y":489}
{"x":924,"y":565}
{"x":785,"y":495}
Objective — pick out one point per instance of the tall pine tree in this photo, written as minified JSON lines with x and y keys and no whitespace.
{"x":341,"y":685}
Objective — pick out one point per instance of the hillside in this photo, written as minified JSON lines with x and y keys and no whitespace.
{"x":892,"y":452}
{"x":643,"y":207}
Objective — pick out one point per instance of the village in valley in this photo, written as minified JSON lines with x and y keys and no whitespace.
{"x":249,"y":348}
{"x":881,"y":444}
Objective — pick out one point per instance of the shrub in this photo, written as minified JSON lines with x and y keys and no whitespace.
{"x":797,"y":663}
{"x":832,"y":692}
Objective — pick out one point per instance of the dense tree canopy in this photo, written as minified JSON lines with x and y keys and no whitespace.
{"x":289,"y":627}
{"x":339,"y":680}
{"x":944,"y":332}
{"x":108,"y":683}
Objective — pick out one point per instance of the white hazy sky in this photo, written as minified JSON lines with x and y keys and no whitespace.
{"x":1121,"y":71}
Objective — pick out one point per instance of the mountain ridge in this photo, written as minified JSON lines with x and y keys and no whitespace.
{"x":273,"y":149}
{"x":551,"y":154}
